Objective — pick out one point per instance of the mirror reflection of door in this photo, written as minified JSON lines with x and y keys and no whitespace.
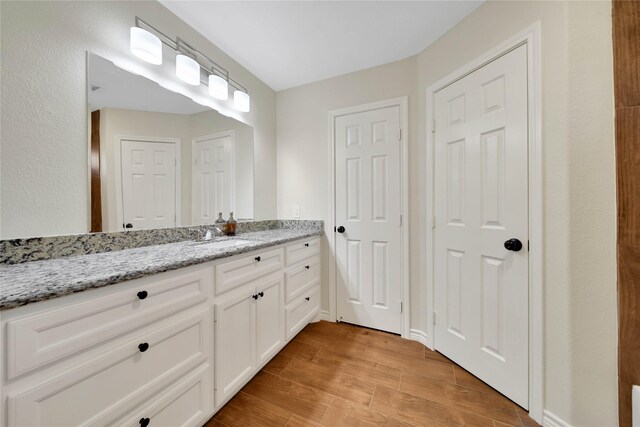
{"x":213,"y":177}
{"x":149,"y":172}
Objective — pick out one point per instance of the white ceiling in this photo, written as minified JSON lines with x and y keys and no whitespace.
{"x":291,"y":43}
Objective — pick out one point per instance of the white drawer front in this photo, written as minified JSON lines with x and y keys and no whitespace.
{"x":301,"y":312}
{"x":230,"y":275}
{"x":304,"y":249}
{"x":302,"y":277}
{"x":186,"y":403}
{"x":119,"y":380}
{"x":37,"y":340}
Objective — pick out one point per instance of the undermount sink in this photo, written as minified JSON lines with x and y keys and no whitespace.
{"x":221,"y":244}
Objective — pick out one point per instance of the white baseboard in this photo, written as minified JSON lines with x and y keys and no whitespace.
{"x":323,"y":315}
{"x":551,"y":420}
{"x":418,"y":335}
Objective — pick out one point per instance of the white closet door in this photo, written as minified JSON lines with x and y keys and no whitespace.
{"x":481,"y":193}
{"x":148,"y":184}
{"x":368,"y":242}
{"x":212,"y":178}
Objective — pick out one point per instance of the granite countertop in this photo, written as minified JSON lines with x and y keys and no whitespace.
{"x":29,"y":282}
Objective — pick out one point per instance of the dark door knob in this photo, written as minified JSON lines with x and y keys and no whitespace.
{"x":307,"y":267}
{"x":143,"y":347}
{"x":144,"y":422}
{"x":142,"y":294}
{"x":254,"y":296}
{"x":341,"y":229}
{"x":261,"y":294}
{"x":308,"y":298}
{"x":513,"y":245}
{"x":257,"y":258}
{"x":306,"y":244}
{"x":128,"y":225}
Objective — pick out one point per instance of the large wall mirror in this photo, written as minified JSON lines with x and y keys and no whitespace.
{"x":158,"y":159}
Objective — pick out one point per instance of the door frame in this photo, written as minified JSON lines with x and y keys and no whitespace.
{"x":531,"y":38}
{"x":402,"y":103}
{"x":118,"y":139}
{"x":231,"y":133}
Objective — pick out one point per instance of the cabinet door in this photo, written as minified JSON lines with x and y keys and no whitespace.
{"x":270,"y":317}
{"x":235,"y":342}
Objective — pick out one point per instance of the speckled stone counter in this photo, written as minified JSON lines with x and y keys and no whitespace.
{"x":29,"y":282}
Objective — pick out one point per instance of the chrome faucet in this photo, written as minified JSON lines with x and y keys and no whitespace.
{"x":201,"y":235}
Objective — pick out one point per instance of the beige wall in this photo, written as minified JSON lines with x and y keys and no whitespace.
{"x":578,"y":168}
{"x":44,"y":181}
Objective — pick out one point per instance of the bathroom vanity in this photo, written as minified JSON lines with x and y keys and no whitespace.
{"x":162,"y":334}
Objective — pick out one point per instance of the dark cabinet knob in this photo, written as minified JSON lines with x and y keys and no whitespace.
{"x":306,"y":244}
{"x":341,"y":229}
{"x":142,"y":294}
{"x":261,"y":294}
{"x":144,"y":422}
{"x":257,"y":258}
{"x":254,"y":296}
{"x":513,"y":245}
{"x":143,"y":347}
{"x":307,"y":267}
{"x":308,"y":298}
{"x":128,"y":225}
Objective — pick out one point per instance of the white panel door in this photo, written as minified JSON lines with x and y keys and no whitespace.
{"x":481,"y":288}
{"x":235,"y":342}
{"x":212,"y":178}
{"x":148,"y":184}
{"x":367,"y":210}
{"x":270,"y":317}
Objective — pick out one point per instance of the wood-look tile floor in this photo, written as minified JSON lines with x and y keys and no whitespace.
{"x":335,"y":374}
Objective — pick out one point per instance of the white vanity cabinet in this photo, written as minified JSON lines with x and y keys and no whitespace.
{"x":249,"y":331}
{"x":164,"y":350}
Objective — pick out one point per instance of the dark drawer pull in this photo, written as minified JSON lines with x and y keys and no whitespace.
{"x":257,"y":258}
{"x":308,"y":298}
{"x":307,"y":266}
{"x":254,"y":296}
{"x":142,"y":294}
{"x":306,"y":244}
{"x":261,"y":294}
{"x":143,"y":347}
{"x":144,"y":422}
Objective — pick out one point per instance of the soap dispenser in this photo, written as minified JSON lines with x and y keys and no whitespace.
{"x":220,"y":220}
{"x":231,"y":225}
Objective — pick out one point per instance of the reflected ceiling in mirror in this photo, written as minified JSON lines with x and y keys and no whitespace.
{"x":158,"y":159}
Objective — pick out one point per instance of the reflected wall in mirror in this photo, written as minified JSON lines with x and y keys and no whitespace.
{"x":158,"y":159}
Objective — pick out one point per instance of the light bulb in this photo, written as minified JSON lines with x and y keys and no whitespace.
{"x":218,"y":87}
{"x":145,"y":45}
{"x":242,"y":101}
{"x":187,"y":70}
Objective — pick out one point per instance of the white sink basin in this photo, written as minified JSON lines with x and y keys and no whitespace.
{"x":221,"y":244}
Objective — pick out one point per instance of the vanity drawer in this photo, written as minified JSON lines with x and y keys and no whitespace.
{"x":304,"y":249}
{"x":186,"y":403}
{"x":302,"y":277}
{"x":119,"y":380}
{"x":40,"y":339}
{"x":301,"y":312}
{"x":232,"y":274}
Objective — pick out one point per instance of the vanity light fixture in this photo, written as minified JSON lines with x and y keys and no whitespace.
{"x":218,"y":87}
{"x":241,"y":101}
{"x":146,"y":44}
{"x":187,"y":69}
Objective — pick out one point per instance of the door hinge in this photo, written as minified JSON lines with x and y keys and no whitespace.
{"x":433,"y":126}
{"x":528,"y":246}
{"x":401,"y":307}
{"x":434,"y":318}
{"x":433,"y":222}
{"x":400,"y":220}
